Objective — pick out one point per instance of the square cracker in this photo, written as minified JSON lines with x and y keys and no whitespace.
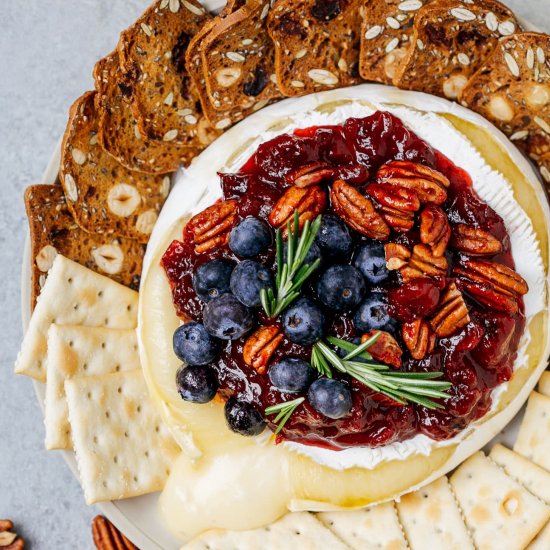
{"x":544,"y":384}
{"x":533,"y":440}
{"x":542,"y":540}
{"x":122,"y":447}
{"x":374,"y":528}
{"x":432,"y":518}
{"x":81,"y":351}
{"x":73,"y":295}
{"x":300,"y":530}
{"x":531,"y":476}
{"x":499,"y":512}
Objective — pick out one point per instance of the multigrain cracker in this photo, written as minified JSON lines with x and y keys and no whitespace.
{"x":152,"y":51}
{"x":300,"y":530}
{"x":451,"y":41}
{"x":431,"y":518}
{"x":316,"y":44}
{"x":498,"y":511}
{"x":53,"y":231}
{"x":73,"y":295}
{"x":119,"y":134}
{"x":122,"y":447}
{"x":371,"y":528}
{"x":386,"y":35}
{"x":75,"y":351}
{"x":533,"y":441}
{"x":512,"y":90}
{"x":237,"y":56}
{"x":103,"y":196}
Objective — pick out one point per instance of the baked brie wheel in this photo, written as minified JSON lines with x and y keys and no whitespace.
{"x":361,"y":281}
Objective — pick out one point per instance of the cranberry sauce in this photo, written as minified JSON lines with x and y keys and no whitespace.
{"x":475,"y":359}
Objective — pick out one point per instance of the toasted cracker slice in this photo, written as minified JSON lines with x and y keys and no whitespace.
{"x":119,"y":134}
{"x":498,"y":511}
{"x":296,"y":530}
{"x":386,"y":34}
{"x":373,"y":528}
{"x":105,"y":197}
{"x":54,"y":231}
{"x":122,"y":447}
{"x":533,"y":441}
{"x":544,"y":384}
{"x":152,"y":51}
{"x":432,"y":518}
{"x":512,"y":90}
{"x":73,"y":295}
{"x":238,"y":59}
{"x":316,"y":44}
{"x":451,"y":41}
{"x":532,"y":477}
{"x":542,"y":540}
{"x":75,"y":351}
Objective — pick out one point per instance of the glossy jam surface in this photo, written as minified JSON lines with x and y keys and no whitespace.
{"x":475,"y":360}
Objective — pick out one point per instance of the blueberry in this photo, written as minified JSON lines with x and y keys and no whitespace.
{"x":371,"y":262}
{"x":334,"y":239}
{"x":341,"y":287}
{"x":243,"y":418}
{"x":250,"y":237}
{"x":211,"y":279}
{"x":313,"y":254}
{"x":291,"y":375}
{"x":197,"y":383}
{"x":330,"y":397}
{"x":226,"y":318}
{"x":194,"y":345}
{"x":303,"y":322}
{"x":373,"y":314}
{"x":248,"y":279}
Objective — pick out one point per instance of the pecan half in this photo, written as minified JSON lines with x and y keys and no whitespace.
{"x":430,"y":185}
{"x":423,"y":263}
{"x":397,"y":204}
{"x":210,"y":228}
{"x":419,"y":338}
{"x":8,"y":539}
{"x":358,"y":212}
{"x":309,"y":201}
{"x":107,"y":537}
{"x":260,"y":346}
{"x":397,"y":256}
{"x":452,"y":313}
{"x":385,"y":349}
{"x":494,"y":285}
{"x":474,"y":242}
{"x":311,"y":174}
{"x":435,"y":230}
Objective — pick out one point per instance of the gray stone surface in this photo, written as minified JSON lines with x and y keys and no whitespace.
{"x":47,"y":51}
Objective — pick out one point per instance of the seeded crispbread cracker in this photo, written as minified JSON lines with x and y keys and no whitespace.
{"x":386,"y":34}
{"x":54,"y":231}
{"x":300,"y":530}
{"x":533,"y":441}
{"x":451,"y":40}
{"x":373,"y":528}
{"x":316,"y":44}
{"x":73,"y":295}
{"x":512,"y":90}
{"x":544,"y":384}
{"x":238,"y":59}
{"x":102,"y":195}
{"x":498,"y":511}
{"x":75,"y":351}
{"x":119,"y":134}
{"x":532,"y":477}
{"x":542,"y":540}
{"x":432,"y":518}
{"x":220,"y":120}
{"x":152,"y":50}
{"x":122,"y":447}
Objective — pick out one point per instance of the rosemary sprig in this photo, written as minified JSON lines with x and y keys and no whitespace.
{"x":403,"y":387}
{"x":291,"y":274}
{"x":285,"y":411}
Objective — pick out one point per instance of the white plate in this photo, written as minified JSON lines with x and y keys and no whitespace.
{"x":138,"y":518}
